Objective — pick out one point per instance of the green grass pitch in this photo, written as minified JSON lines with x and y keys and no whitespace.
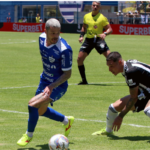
{"x":20,"y":68}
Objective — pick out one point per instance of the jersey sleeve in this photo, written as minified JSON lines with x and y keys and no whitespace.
{"x":132,"y":77}
{"x":39,"y":42}
{"x":105,"y":22}
{"x":66,"y":60}
{"x":84,"y":19}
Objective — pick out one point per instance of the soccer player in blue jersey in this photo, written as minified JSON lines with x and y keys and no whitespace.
{"x":57,"y":64}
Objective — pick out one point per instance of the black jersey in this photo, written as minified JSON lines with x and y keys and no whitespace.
{"x":137,"y":74}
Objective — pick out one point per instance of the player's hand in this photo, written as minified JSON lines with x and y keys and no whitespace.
{"x":102,"y":36}
{"x":117,"y":123}
{"x":80,"y":39}
{"x":47,"y":91}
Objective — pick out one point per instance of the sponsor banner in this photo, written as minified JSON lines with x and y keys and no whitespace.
{"x":72,"y":28}
{"x":23,"y":27}
{"x":67,"y":9}
{"x":131,"y":29}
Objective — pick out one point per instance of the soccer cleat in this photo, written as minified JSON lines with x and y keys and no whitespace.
{"x":102,"y":132}
{"x":83,"y":83}
{"x":24,"y":140}
{"x":68,"y":126}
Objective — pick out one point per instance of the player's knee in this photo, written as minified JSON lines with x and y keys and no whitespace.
{"x":35,"y":102}
{"x":79,"y":60}
{"x":111,"y":113}
{"x":112,"y":109}
{"x":147,"y":111}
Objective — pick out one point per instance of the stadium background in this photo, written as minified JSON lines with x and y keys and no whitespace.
{"x":69,"y":13}
{"x":20,"y":70}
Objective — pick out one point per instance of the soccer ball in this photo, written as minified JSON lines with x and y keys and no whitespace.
{"x":58,"y":142}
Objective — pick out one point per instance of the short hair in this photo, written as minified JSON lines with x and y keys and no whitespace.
{"x":52,"y":23}
{"x":114,"y":56}
{"x":97,"y":2}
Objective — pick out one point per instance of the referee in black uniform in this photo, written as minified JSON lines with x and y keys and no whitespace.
{"x":93,"y":25}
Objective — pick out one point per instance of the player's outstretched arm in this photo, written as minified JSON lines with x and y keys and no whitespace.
{"x":64,"y":77}
{"x":129,"y":106}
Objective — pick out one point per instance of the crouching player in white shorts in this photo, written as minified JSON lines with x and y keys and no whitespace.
{"x":57,"y":64}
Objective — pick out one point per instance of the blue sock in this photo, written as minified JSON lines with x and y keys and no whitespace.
{"x":33,"y":118}
{"x":54,"y":115}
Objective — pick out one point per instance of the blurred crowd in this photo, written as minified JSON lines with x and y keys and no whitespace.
{"x":140,"y":14}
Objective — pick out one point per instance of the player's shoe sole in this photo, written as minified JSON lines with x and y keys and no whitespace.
{"x":68,"y":126}
{"x":102,"y":132}
{"x":25,"y":139}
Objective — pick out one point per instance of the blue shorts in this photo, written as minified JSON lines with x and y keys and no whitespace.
{"x":57,"y":92}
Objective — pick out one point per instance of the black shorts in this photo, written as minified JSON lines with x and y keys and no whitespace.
{"x":140,"y":104}
{"x":99,"y":45}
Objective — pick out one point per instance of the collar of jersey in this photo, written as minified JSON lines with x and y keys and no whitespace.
{"x":124,"y":68}
{"x":52,"y":44}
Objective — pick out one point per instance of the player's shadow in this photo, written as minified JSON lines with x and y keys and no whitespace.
{"x":42,"y":147}
{"x":130,"y":138}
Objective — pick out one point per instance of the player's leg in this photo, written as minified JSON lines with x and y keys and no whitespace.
{"x":101,"y":47}
{"x":52,"y":114}
{"x":83,"y":53}
{"x":81,"y":67}
{"x":34,"y":104}
{"x":106,"y":53}
{"x":147,"y":109}
{"x":112,"y":113}
{"x":46,"y":111}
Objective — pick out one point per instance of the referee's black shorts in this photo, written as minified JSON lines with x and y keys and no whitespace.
{"x":99,"y":45}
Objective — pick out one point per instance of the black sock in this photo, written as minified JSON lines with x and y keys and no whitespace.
{"x":82,"y":73}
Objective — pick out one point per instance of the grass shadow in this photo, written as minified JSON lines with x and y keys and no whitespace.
{"x":42,"y":147}
{"x":130,"y":138}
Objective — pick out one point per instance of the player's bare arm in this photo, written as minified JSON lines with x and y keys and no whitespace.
{"x":83,"y":31}
{"x":108,"y":30}
{"x":43,"y":98}
{"x":131,"y":102}
{"x":129,"y":106}
{"x":64,"y":77}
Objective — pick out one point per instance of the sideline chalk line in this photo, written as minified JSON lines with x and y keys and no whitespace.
{"x":87,"y":120}
{"x":75,"y":118}
{"x":68,"y":84}
{"x":32,"y":41}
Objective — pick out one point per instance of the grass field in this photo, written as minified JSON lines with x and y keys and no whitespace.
{"x":20,"y":66}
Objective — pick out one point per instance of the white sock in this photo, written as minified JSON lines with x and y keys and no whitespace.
{"x":65,"y":122}
{"x":110,"y":116}
{"x":30,"y":134}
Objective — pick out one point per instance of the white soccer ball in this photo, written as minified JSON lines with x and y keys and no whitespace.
{"x":58,"y":142}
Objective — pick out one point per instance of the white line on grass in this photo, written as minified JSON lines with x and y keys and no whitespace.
{"x":69,"y":84}
{"x":17,"y":87}
{"x":87,"y":120}
{"x":33,"y":41}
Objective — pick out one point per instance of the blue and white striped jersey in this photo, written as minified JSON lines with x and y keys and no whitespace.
{"x":56,"y":58}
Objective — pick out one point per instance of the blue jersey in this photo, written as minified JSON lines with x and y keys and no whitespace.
{"x":56,"y":58}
